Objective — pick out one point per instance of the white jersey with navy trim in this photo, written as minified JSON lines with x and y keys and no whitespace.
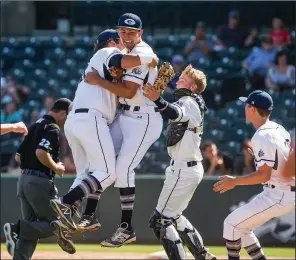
{"x":271,"y":146}
{"x":94,"y":97}
{"x":188,"y":149}
{"x":138,"y":75}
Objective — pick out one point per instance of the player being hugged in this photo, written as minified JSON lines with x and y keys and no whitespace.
{"x":138,"y":126}
{"x":271,"y":148}
{"x":185,"y":171}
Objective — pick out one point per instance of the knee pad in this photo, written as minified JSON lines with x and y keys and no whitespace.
{"x":158,"y":223}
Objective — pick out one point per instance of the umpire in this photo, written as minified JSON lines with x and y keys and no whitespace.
{"x":38,"y":156}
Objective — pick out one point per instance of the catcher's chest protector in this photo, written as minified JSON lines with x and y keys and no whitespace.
{"x":176,"y":130}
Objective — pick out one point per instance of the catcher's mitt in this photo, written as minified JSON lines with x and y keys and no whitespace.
{"x":166,"y":74}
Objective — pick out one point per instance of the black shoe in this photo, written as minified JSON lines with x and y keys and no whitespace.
{"x":63,"y":235}
{"x":11,"y":236}
{"x":89,"y":223}
{"x":122,"y":236}
{"x":65,"y":212}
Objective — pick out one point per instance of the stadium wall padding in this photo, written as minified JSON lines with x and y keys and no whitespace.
{"x":207,"y":211}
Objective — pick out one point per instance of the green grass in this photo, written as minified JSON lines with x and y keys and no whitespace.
{"x":271,"y":252}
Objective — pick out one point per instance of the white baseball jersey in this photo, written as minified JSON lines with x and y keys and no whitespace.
{"x":188,"y":148}
{"x":138,"y":75}
{"x":271,"y":146}
{"x":94,"y":97}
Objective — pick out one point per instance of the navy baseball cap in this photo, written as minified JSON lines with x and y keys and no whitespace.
{"x":259,"y":99}
{"x":130,"y":21}
{"x":234,"y":13}
{"x":109,"y":34}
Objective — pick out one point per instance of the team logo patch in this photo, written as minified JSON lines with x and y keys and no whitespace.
{"x":129,"y":21}
{"x":260,"y":153}
{"x":137,"y":71}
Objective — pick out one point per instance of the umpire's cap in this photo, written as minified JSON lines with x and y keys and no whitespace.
{"x":130,"y":21}
{"x":109,"y":34}
{"x":259,"y":99}
{"x":62,"y":104}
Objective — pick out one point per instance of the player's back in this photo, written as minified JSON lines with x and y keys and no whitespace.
{"x":138,"y":75}
{"x":271,"y":145}
{"x":95,"y":97}
{"x":188,"y":148}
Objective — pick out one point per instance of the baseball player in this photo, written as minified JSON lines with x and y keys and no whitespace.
{"x":19,"y":127}
{"x":88,"y":220}
{"x":140,"y":123}
{"x":271,"y":147}
{"x":185,"y":172}
{"x":87,"y":128}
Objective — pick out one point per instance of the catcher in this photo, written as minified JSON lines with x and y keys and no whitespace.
{"x":185,"y":170}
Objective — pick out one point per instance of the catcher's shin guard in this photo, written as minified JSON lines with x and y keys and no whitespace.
{"x":168,"y":236}
{"x":191,"y":239}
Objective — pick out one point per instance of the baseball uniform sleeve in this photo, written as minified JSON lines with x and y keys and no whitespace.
{"x":265,"y":151}
{"x":136,"y":74}
{"x":49,"y":139}
{"x":182,"y":106}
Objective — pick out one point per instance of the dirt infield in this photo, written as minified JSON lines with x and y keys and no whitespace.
{"x":98,"y":255}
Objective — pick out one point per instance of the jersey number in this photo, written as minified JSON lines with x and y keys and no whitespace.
{"x":45,"y":143}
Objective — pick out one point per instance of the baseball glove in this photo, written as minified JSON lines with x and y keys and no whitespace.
{"x":165,"y":75}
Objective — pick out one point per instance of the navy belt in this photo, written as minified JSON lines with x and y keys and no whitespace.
{"x":189,"y":164}
{"x":81,"y":110}
{"x":293,"y":188}
{"x":37,"y":173}
{"x":136,"y":108}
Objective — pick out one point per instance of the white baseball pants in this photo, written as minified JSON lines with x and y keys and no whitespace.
{"x":89,"y":138}
{"x":268,"y":204}
{"x":179,"y":186}
{"x":133,"y":133}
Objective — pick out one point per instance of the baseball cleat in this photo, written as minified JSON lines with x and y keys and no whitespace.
{"x":121,"y":237}
{"x":89,"y":223}
{"x":63,"y":235}
{"x":64,"y":211}
{"x":209,"y":256}
{"x":11,"y":236}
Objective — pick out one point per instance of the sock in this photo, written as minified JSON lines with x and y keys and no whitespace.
{"x":255,"y":251}
{"x":233,"y":249}
{"x":91,"y":203}
{"x":89,"y":185}
{"x":127,"y":199}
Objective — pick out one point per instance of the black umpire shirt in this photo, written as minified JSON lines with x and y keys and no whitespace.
{"x":44,"y":134}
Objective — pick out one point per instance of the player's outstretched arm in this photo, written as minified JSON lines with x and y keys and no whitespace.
{"x":168,"y":110}
{"x":125,"y":89}
{"x":19,"y":127}
{"x":131,"y":61}
{"x":229,"y":182}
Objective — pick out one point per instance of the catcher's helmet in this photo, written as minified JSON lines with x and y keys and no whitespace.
{"x":104,"y":36}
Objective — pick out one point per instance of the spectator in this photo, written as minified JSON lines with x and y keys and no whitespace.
{"x":280,"y":36}
{"x":178,"y":64}
{"x":258,"y":62}
{"x":282,"y":75}
{"x":233,"y":35}
{"x":244,"y":164}
{"x":216,"y":162}
{"x":199,"y":47}
{"x":48,"y":102}
{"x":10,"y":113}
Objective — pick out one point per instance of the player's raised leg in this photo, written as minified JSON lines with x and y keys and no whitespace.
{"x":100,"y":153}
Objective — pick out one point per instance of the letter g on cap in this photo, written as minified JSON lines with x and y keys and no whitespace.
{"x":129,"y":21}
